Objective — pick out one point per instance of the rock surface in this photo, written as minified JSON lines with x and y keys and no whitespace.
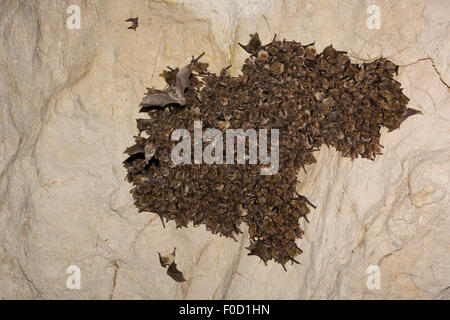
{"x":69,"y":99}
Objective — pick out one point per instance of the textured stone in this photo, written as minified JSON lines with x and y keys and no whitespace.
{"x":68,"y":102}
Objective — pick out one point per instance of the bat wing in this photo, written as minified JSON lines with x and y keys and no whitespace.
{"x":410,"y":112}
{"x":137,"y":148}
{"x":157,"y":100}
{"x":175,"y":274}
{"x":183,"y":79}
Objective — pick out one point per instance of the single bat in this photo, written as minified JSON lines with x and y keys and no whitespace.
{"x":167,"y":260}
{"x":142,"y":124}
{"x":163,"y":99}
{"x":172,"y":271}
{"x":135,"y":23}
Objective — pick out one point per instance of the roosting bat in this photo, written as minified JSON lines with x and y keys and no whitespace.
{"x":163,"y":99}
{"x":172,"y":271}
{"x":135,"y":23}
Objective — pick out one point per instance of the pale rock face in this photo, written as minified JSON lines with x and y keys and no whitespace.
{"x":69,"y":99}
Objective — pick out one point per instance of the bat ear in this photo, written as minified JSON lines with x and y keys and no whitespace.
{"x":253,"y":44}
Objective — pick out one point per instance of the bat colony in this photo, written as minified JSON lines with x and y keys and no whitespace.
{"x":312,"y":98}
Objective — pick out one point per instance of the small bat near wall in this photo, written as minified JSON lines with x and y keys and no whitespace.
{"x":174,"y":97}
{"x":172,"y":271}
{"x":135,"y":23}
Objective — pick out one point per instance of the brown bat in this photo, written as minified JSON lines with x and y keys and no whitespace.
{"x":172,"y":271}
{"x":167,"y":260}
{"x":157,"y":100}
{"x":163,"y":99}
{"x":135,"y":23}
